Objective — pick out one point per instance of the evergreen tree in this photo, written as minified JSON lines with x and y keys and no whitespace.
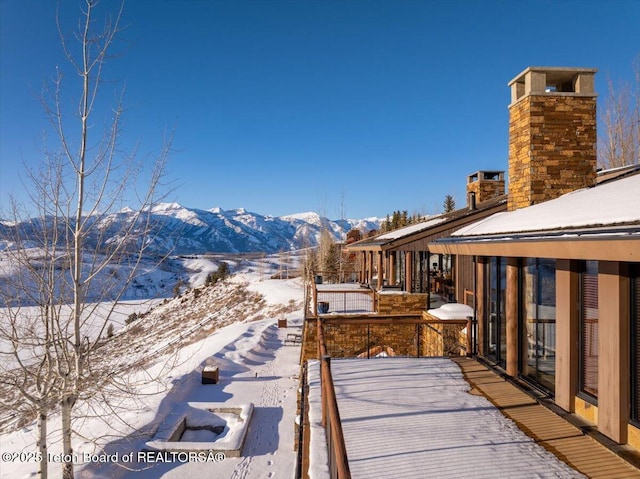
{"x":331,"y":264}
{"x":449,"y":204}
{"x":404,"y":218}
{"x":386,"y":225}
{"x":215,"y":276}
{"x":223,"y":270}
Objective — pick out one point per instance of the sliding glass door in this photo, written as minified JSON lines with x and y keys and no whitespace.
{"x":538,"y":303}
{"x":495,"y":340}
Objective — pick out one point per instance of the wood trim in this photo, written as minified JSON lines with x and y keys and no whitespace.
{"x":604,"y":248}
{"x":613,"y":350}
{"x":480,"y":300}
{"x":567,"y":353}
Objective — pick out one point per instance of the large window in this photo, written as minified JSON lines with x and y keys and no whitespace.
{"x":420,"y":280}
{"x":495,"y":340}
{"x":635,"y":344}
{"x":538,"y":302}
{"x":589,"y":329}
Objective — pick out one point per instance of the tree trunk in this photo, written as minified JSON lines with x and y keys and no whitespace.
{"x":42,"y":443}
{"x":67,"y":450}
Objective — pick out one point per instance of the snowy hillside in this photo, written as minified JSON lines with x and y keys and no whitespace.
{"x":156,"y":362}
{"x":179,"y":230}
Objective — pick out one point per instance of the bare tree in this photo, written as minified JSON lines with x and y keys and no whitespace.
{"x":620,"y":143}
{"x":62,"y":260}
{"x":28,"y":359}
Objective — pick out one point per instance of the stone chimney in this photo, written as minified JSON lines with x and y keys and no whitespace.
{"x":552,"y":134}
{"x":483,"y":186}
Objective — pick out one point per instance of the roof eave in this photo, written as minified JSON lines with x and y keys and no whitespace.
{"x":602,"y":247}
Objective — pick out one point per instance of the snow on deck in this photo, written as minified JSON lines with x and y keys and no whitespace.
{"x":414,"y":418}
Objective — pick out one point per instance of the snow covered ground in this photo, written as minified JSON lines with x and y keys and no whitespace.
{"x":257,"y":366}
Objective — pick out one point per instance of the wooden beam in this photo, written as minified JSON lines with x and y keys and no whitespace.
{"x":511,"y":315}
{"x":567,"y":337}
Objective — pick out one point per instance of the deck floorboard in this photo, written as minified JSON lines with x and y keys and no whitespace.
{"x":550,"y":430}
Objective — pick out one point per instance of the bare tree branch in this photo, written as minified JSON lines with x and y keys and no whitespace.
{"x":619,"y":144}
{"x":60,"y":257}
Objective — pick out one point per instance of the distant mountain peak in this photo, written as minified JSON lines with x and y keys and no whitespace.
{"x":181,"y":230}
{"x":162,"y":207}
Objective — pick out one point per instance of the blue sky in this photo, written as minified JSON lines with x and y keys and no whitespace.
{"x":281,"y":107}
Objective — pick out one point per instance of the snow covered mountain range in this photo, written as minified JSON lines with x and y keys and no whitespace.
{"x":179,"y":230}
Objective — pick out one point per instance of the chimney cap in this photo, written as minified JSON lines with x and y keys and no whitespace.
{"x":486,"y":175}
{"x":562,"y":81}
{"x":554,"y":73}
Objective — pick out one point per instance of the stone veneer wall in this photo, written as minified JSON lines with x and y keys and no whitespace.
{"x":444,"y":339}
{"x":309,"y":341}
{"x":401,"y":303}
{"x":552,"y":147}
{"x":353,"y":340}
{"x":369,"y":340}
{"x":486,"y":190}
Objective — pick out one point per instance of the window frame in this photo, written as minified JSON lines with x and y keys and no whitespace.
{"x":537,"y":264}
{"x":582,"y":392}
{"x":634,"y":346}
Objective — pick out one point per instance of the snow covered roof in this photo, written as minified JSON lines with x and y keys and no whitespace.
{"x":445,"y":220}
{"x":407,"y":230}
{"x":612,"y":203}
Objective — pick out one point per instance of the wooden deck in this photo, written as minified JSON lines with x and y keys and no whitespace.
{"x":550,"y":430}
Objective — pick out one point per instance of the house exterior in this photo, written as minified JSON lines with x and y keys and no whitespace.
{"x":401,"y":260}
{"x":557,"y":276}
{"x":551,"y":269}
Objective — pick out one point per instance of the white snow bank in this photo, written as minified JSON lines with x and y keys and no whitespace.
{"x":452,"y":311}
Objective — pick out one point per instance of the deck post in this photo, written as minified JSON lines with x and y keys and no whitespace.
{"x":408,"y":271}
{"x":511,"y":311}
{"x":567,"y":334}
{"x":613,"y":349}
{"x":392,"y":268}
{"x":315,"y":299}
{"x":479,"y":304}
